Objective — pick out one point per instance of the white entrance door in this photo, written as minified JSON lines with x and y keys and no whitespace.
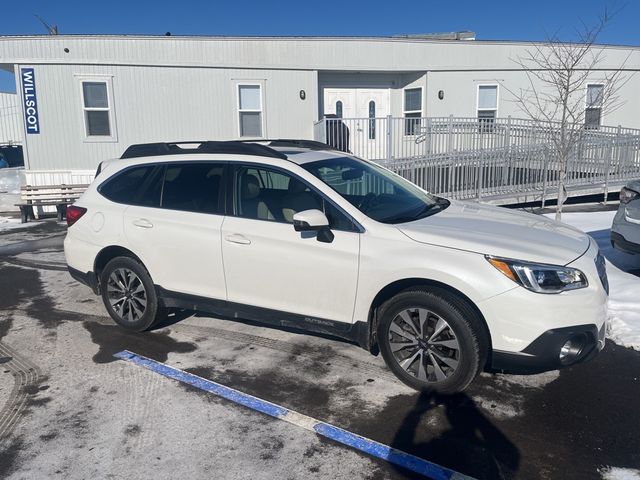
{"x":363,"y":112}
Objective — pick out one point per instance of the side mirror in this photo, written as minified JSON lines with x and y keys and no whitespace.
{"x":310,"y":220}
{"x":313,"y":221}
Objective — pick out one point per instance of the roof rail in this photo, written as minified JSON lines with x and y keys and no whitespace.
{"x":308,"y":144}
{"x":207,"y":146}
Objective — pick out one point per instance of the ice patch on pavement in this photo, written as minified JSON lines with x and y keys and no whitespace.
{"x":624,"y":298}
{"x":529,"y":381}
{"x":504,"y":395}
{"x":498,"y":409}
{"x":614,"y":473}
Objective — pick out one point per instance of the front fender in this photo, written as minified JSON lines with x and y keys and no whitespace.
{"x":384,"y":262}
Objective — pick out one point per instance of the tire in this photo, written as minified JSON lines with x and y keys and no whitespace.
{"x":446,"y":362}
{"x":126,"y":279}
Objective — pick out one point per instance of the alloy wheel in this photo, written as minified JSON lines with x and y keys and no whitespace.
{"x":424,"y":345}
{"x":127,"y":295}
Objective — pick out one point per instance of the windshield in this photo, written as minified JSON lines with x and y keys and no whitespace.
{"x":375,"y":191}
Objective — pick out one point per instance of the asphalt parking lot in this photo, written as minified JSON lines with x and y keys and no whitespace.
{"x":70,"y":409}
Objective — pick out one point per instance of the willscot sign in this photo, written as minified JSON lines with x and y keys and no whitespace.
{"x":29,"y":97}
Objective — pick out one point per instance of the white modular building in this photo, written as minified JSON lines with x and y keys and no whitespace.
{"x":86,"y":98}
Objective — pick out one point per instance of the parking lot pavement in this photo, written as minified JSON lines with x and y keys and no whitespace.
{"x":72,"y":410}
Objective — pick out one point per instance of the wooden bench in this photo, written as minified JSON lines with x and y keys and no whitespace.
{"x":59,"y":196}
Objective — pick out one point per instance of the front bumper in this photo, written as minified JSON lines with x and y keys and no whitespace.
{"x":529,"y":329}
{"x":625,"y":230}
{"x":620,"y":243}
{"x":543,"y":354}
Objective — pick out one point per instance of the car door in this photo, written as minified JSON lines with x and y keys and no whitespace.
{"x":178,"y":238}
{"x":268,"y":264}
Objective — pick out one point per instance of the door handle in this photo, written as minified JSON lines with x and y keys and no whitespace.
{"x":143,"y":223}
{"x":237,"y":238}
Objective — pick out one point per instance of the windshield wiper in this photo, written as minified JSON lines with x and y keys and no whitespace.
{"x":439,"y":205}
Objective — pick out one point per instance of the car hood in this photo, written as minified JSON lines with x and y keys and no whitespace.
{"x":499,"y":232}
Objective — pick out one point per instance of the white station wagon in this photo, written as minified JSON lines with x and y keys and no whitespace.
{"x":294,"y":234}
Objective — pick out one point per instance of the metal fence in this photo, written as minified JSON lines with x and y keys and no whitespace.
{"x":522,"y":173}
{"x":507,"y":159}
{"x":392,"y":137}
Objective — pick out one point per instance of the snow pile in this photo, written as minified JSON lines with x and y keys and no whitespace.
{"x":11,"y":179}
{"x":613,"y":473}
{"x":624,"y":299}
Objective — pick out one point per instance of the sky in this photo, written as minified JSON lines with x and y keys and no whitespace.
{"x":493,"y":20}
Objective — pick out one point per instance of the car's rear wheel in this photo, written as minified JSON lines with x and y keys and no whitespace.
{"x":432,"y":340}
{"x":129,"y":295}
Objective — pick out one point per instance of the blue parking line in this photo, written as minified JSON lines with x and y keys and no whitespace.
{"x":384,"y":452}
{"x":344,"y":437}
{"x":203,"y":384}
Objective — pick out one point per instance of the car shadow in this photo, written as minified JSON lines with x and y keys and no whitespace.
{"x":470,"y":444}
{"x":174,"y":315}
{"x":624,"y":261}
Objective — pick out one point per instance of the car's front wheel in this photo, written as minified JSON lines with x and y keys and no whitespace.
{"x":431,"y":340}
{"x":129,"y":295}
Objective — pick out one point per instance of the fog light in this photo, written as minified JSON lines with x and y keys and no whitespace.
{"x":572,"y":348}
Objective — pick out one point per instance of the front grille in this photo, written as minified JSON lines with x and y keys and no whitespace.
{"x":602,"y":271}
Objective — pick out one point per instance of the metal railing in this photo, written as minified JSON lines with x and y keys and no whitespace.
{"x":392,"y":137}
{"x":521,"y":173}
{"x":507,"y":159}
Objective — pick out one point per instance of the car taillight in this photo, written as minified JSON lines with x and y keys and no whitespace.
{"x":74,"y":213}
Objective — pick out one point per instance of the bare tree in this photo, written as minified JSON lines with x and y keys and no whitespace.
{"x":556,"y":97}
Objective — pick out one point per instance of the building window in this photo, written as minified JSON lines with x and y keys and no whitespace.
{"x":412,"y":110}
{"x":97,"y":110}
{"x":250,"y":110}
{"x":593,"y":110}
{"x":339,"y":109}
{"x":487,"y":106}
{"x":372,"y":120}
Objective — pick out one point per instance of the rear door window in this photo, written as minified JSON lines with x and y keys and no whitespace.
{"x":194,"y":187}
{"x":135,"y":186}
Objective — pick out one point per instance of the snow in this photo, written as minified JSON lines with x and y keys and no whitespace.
{"x":8,"y":223}
{"x":624,"y":298}
{"x":614,"y":473}
{"x":11,"y":179}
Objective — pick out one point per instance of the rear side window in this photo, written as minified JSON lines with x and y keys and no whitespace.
{"x":135,"y":186}
{"x":193,"y":187}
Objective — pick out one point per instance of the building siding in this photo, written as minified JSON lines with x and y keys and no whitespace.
{"x":460,"y":95}
{"x":161,"y":104}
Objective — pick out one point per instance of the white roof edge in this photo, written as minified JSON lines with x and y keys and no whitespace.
{"x":207,"y":38}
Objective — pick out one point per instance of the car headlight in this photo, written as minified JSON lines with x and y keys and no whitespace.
{"x":540,"y":278}
{"x":626,"y":195}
